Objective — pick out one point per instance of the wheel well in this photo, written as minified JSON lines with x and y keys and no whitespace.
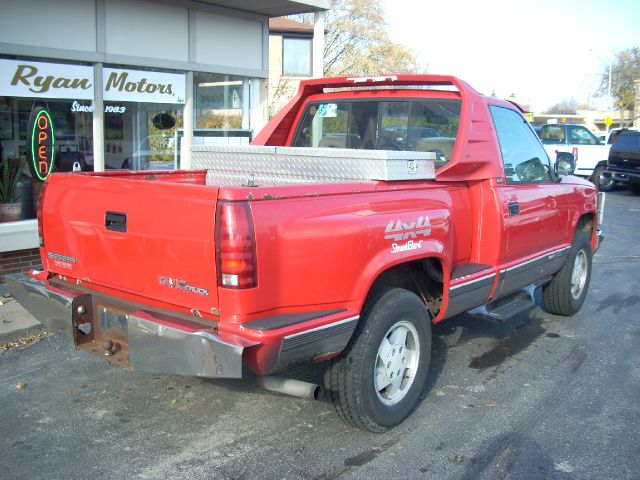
{"x":423,"y":277}
{"x":586,"y":222}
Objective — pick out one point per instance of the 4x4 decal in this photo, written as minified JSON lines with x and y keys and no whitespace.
{"x":398,"y":230}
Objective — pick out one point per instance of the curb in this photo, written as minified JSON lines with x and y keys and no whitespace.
{"x":17,"y":323}
{"x":15,"y":335}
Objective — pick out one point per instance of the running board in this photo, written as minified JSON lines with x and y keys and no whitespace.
{"x":504,"y":308}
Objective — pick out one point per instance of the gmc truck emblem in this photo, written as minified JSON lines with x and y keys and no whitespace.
{"x":398,"y":230}
{"x":182,"y":285}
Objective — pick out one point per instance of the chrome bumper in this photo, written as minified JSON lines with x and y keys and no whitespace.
{"x":623,"y":177}
{"x":151,"y":342}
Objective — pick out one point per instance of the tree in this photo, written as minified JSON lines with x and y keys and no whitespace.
{"x":624,"y":71}
{"x":356,"y":42}
{"x":568,"y":106}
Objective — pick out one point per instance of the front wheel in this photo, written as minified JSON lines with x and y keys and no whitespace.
{"x":604,"y":183}
{"x":378,"y":380}
{"x":568,"y":288}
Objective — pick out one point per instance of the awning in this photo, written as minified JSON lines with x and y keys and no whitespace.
{"x":272,"y":8}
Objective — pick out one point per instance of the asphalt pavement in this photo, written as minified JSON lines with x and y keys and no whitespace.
{"x":540,"y":396}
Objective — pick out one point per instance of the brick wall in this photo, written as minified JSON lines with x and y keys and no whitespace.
{"x":19,"y":262}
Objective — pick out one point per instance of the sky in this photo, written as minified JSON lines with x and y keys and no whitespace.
{"x":542,"y":51}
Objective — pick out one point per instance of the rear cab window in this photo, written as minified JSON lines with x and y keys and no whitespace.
{"x":417,"y":125}
{"x":550,"y":134}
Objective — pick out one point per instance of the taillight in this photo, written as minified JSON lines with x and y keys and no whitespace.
{"x":39,"y":212}
{"x":235,"y":245}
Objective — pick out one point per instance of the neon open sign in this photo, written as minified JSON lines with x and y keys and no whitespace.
{"x":42,"y":144}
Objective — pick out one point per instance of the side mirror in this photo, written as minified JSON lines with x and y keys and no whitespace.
{"x":565,"y":164}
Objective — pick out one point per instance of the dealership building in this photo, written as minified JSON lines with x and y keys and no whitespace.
{"x":129,"y":84}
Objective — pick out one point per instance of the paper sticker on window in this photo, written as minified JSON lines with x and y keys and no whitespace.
{"x":328,"y":110}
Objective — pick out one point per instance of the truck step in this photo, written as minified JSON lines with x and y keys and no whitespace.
{"x":504,"y":308}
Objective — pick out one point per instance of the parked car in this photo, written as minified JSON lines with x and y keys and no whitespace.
{"x":589,"y":153}
{"x":624,"y":161}
{"x":613,"y":134}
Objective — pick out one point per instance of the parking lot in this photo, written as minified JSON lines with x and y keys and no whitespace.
{"x":539,"y":396}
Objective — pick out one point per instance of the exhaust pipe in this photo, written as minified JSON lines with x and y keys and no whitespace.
{"x":289,"y":386}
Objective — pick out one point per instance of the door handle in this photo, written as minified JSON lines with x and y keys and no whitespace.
{"x":116,"y":222}
{"x":514,"y":209}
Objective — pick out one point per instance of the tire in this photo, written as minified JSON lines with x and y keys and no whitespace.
{"x":394,"y":336}
{"x":566,"y":292}
{"x":604,"y":184}
{"x":635,"y":188}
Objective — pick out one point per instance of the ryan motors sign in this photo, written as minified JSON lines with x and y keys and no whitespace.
{"x":143,"y":86}
{"x":21,"y":78}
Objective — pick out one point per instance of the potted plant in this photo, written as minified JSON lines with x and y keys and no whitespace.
{"x":10,"y":171}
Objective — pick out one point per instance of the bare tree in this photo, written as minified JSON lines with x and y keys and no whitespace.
{"x":624,"y":71}
{"x":568,"y":106}
{"x":284,"y":91}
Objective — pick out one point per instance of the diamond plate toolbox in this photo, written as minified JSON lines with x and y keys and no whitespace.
{"x":258,"y":165}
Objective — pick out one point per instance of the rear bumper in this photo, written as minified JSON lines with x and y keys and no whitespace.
{"x":126,"y":335}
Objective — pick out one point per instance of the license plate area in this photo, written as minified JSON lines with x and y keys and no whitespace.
{"x":101,"y":329}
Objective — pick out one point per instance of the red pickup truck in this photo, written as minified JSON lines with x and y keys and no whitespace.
{"x":367,"y":210}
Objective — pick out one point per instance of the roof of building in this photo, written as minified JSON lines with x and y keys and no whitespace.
{"x":273,"y":8}
{"x":283,"y":24}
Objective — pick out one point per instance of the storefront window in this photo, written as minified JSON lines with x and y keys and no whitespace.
{"x":141,"y":136}
{"x":73,"y":126}
{"x":219,"y":100}
{"x":143,"y":111}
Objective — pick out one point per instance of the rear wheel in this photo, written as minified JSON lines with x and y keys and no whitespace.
{"x":635,"y":188}
{"x":568,"y":288}
{"x":604,"y":183}
{"x":378,"y":380}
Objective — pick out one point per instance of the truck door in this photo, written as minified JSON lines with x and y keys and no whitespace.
{"x":586,"y":148}
{"x":534,"y":207}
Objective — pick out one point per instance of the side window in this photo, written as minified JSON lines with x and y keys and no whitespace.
{"x":524,"y":159}
{"x":581,"y":136}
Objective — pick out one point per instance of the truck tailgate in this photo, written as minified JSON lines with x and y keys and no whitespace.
{"x":149,"y":238}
